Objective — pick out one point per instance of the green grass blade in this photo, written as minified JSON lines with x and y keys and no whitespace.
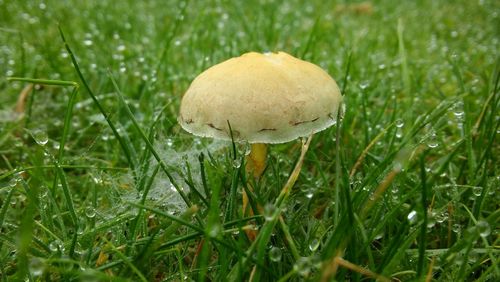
{"x":148,"y":143}
{"x":125,"y":146}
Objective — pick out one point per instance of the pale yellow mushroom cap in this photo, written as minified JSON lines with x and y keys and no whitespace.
{"x":266,"y":98}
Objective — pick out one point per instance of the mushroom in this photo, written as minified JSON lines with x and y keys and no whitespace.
{"x":260,"y":99}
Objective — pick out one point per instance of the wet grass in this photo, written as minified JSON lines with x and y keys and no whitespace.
{"x":99,"y":182}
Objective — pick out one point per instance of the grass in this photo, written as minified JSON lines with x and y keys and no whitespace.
{"x":99,"y":182}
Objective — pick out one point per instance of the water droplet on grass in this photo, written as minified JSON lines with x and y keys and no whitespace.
{"x":172,"y":188}
{"x":459,"y":259}
{"x":90,"y":212}
{"x":456,"y":228}
{"x":269,"y":212}
{"x":431,"y":222}
{"x":441,"y":217}
{"x":303,"y":266}
{"x":432,"y":141}
{"x":399,"y":123}
{"x":473,"y":257}
{"x":477,"y":191}
{"x":314,"y":244}
{"x":214,"y":230}
{"x":275,"y":254}
{"x":237,"y":163}
{"x":458,"y":109}
{"x":308,"y":191}
{"x":80,"y":230}
{"x":398,"y":166}
{"x":169,"y":142}
{"x":121,"y":48}
{"x":123,"y":68}
{"x":55,"y":246}
{"x":36,"y":267}
{"x":412,"y":217}
{"x":483,"y":228}
{"x":14,"y":181}
{"x":364,"y":84}
{"x":247,"y":149}
{"x":41,"y":137}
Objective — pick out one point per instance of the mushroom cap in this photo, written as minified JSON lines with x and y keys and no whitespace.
{"x":265,"y":98}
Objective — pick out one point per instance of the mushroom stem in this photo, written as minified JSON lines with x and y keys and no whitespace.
{"x":255,"y":164}
{"x":256,"y":160}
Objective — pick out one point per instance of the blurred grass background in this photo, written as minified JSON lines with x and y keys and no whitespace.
{"x":421,"y":93}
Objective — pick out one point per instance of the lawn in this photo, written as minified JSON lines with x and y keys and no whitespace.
{"x":98,"y":181}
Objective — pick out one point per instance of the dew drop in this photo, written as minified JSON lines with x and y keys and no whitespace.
{"x":459,"y":259}
{"x":14,"y":181}
{"x":36,"y":267}
{"x":303,"y":266}
{"x":275,"y":254}
{"x":90,"y":211}
{"x":97,"y":179}
{"x":41,"y":137}
{"x":123,"y":68}
{"x":432,"y":141}
{"x":431,"y":222}
{"x":169,"y":142}
{"x":477,"y":190}
{"x":379,"y":236}
{"x":314,"y":244}
{"x":399,"y":123}
{"x":80,"y":230}
{"x":412,"y":217}
{"x":55,"y":246}
{"x":456,"y":228}
{"x":237,"y":163}
{"x":399,"y":133}
{"x":363,"y":85}
{"x":473,"y":257}
{"x":398,"y":166}
{"x":269,"y":212}
{"x":172,"y":188}
{"x":214,"y":230}
{"x":483,"y":228}
{"x":308,"y":191}
{"x":458,"y":109}
{"x":248,"y":149}
{"x":198,"y":144}
{"x":121,"y":48}
{"x":441,"y":217}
